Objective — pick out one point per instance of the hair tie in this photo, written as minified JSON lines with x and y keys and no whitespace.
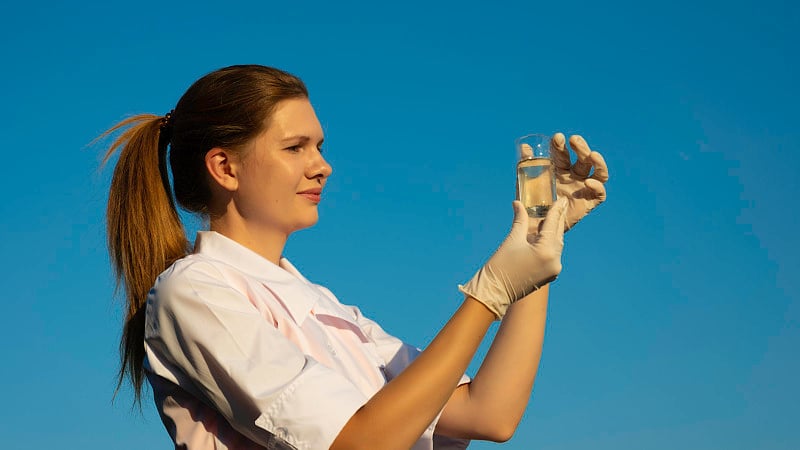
{"x":166,"y":121}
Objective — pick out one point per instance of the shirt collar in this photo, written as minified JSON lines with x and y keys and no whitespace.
{"x":296,"y":293}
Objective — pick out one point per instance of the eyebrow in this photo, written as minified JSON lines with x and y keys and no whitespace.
{"x":303,"y":139}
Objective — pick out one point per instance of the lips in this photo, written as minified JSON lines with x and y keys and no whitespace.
{"x":315,"y":194}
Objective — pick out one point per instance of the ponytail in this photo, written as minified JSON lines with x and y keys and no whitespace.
{"x":145,"y":234}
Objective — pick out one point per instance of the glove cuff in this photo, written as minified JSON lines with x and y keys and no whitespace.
{"x":473,"y":289}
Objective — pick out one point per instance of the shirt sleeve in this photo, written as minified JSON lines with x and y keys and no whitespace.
{"x":208,"y":338}
{"x":397,"y":356}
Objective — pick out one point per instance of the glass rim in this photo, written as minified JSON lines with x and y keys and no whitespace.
{"x":544,"y":137}
{"x":539,"y":148}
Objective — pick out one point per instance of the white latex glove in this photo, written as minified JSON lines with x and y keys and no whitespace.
{"x":582,"y":186}
{"x":523,"y":262}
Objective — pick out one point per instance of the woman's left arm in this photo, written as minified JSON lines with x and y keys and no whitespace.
{"x":491,"y":406}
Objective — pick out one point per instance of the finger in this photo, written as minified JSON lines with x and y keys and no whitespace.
{"x":562,"y":223}
{"x":600,"y":168}
{"x":598,"y":189}
{"x":520,"y":224}
{"x":525,"y":151}
{"x":583,"y":165}
{"x":555,"y":217}
{"x":558,"y":150}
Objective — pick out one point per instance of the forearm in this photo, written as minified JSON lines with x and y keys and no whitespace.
{"x":398,"y":414}
{"x":491,"y":406}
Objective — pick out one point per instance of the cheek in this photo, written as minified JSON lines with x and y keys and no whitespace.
{"x":277,"y":186}
{"x":278,"y":193}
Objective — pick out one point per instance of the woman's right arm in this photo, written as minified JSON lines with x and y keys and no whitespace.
{"x":399,"y":413}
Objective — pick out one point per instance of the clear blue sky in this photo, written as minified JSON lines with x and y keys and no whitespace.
{"x":676,"y":321}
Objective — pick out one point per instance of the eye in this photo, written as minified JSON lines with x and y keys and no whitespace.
{"x":295,"y":148}
{"x":319,"y":149}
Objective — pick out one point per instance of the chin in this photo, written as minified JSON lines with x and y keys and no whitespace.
{"x":306,"y":222}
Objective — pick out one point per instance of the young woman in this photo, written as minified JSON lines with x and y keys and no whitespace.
{"x":241,"y":350}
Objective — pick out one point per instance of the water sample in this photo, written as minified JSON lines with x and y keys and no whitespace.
{"x":536,"y":184}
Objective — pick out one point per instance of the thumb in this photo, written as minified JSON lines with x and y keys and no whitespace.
{"x":597,"y":188}
{"x":520,"y":218}
{"x":554,"y":221}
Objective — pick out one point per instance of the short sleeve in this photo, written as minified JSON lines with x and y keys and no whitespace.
{"x":398,"y":355}
{"x":207,"y":337}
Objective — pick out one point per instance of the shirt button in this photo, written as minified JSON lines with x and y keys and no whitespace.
{"x":331,"y":349}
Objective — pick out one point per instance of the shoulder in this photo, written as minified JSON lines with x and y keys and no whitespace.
{"x":195,"y":279}
{"x":187,"y":271}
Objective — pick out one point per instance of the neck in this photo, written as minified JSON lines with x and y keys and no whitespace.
{"x":268,"y":243}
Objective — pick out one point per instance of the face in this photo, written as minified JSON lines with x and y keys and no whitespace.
{"x":282,"y":173}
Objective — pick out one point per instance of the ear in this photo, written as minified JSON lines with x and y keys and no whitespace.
{"x":222,"y":167}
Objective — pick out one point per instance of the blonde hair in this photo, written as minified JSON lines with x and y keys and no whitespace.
{"x":225,"y":108}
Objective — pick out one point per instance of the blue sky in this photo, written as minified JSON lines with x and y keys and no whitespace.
{"x":676,"y":320}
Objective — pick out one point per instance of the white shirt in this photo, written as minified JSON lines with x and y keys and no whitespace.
{"x":244,"y":354}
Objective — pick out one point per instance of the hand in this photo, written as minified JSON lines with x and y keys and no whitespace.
{"x":573,"y":181}
{"x":523,"y":262}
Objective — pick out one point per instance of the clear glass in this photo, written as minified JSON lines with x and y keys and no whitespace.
{"x":536,"y":178}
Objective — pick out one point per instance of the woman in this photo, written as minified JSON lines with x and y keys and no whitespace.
{"x":244,"y":352}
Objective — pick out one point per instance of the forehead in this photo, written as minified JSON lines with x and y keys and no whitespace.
{"x":294,"y":117}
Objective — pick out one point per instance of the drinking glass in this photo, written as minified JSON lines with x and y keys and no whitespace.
{"x":536,"y":178}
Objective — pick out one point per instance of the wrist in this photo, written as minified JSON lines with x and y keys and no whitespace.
{"x":481,"y":308}
{"x":535,"y":301}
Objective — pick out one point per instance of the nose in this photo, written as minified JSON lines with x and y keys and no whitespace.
{"x":319,"y":168}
